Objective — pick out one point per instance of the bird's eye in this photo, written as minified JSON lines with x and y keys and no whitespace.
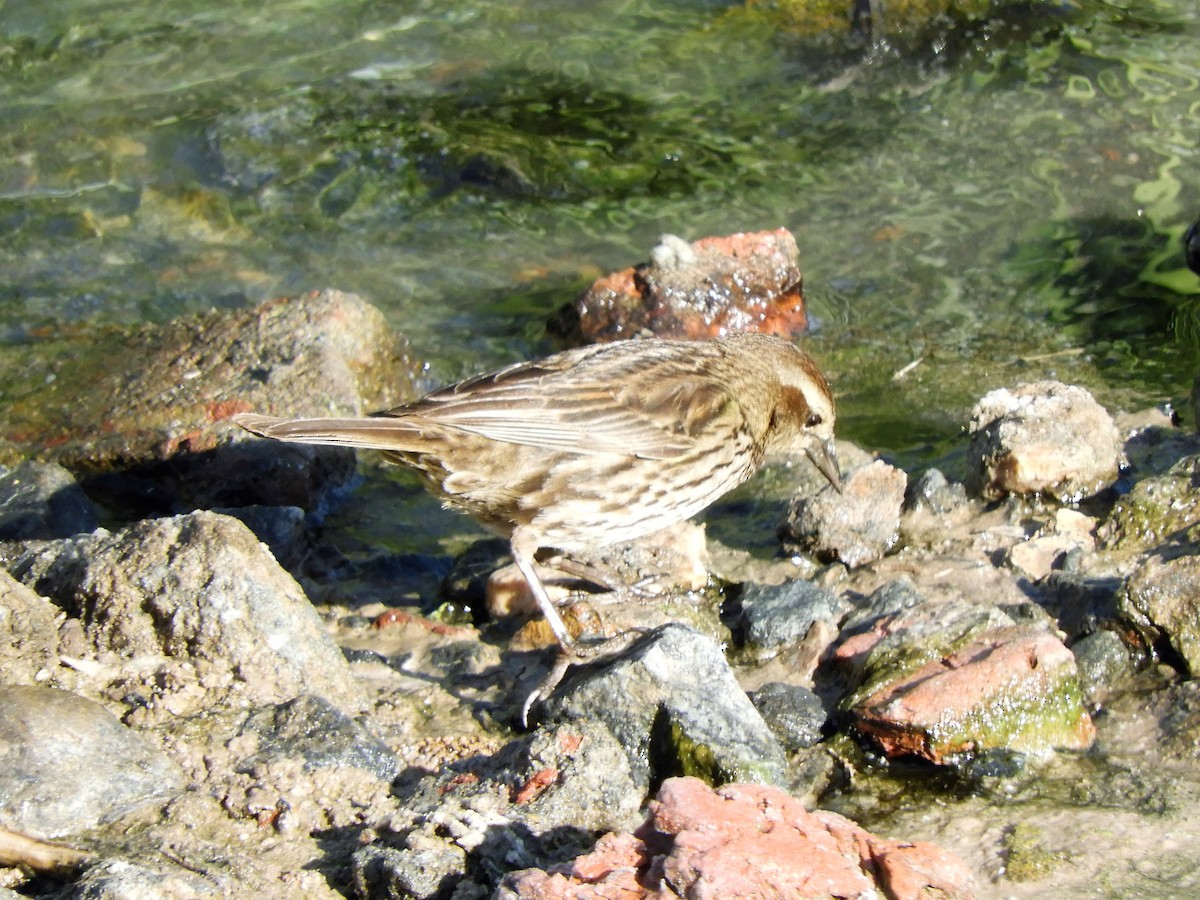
{"x":814,"y":420}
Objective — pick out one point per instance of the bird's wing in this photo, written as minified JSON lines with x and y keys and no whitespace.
{"x":607,"y":399}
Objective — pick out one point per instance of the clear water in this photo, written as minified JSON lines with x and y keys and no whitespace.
{"x":1001,"y":200}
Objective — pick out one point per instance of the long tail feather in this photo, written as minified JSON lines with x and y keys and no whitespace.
{"x":378,"y":433}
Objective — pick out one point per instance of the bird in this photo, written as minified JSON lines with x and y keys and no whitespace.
{"x":597,"y":445}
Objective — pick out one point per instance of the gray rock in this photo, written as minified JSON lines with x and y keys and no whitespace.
{"x":793,"y":712}
{"x":42,"y":500}
{"x":309,"y":728}
{"x":405,"y":873}
{"x":200,"y":590}
{"x":281,"y":528}
{"x":887,"y":600}
{"x":539,"y":801}
{"x":673,"y":704}
{"x":67,"y":763}
{"x":1080,"y":604}
{"x":783,"y":614}
{"x":1104,"y":663}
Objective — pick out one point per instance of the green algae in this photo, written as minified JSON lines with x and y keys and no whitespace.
{"x":1018,"y":718}
{"x":688,"y":756}
{"x":1158,"y":511}
{"x":1026,"y":857}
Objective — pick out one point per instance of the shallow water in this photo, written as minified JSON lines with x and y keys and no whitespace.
{"x":978,"y":194}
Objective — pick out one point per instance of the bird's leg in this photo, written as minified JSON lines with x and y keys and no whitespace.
{"x":577,"y":654}
{"x":524,"y":545}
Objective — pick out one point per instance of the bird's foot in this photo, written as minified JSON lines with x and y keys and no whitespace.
{"x":577,"y":653}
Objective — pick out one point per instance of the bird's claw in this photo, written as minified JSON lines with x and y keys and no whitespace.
{"x":577,"y":653}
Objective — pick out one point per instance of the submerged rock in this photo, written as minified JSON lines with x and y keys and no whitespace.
{"x":745,"y":841}
{"x":67,"y":764}
{"x":1042,"y":438}
{"x":137,"y":414}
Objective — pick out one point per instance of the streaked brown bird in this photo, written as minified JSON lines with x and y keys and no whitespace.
{"x":598,"y":445}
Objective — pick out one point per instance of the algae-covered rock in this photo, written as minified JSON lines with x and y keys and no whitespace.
{"x":1012,"y":689}
{"x":948,"y":678}
{"x":898,"y":631}
{"x":1158,"y":511}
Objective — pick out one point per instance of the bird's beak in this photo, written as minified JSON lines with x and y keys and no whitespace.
{"x":825,"y":459}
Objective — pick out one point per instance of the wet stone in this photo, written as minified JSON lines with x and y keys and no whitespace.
{"x":1159,"y":512}
{"x":673,"y":704}
{"x":889,"y":599}
{"x":66,"y":764}
{"x":777,"y":615}
{"x":1162,"y":601}
{"x":1045,"y":437}
{"x":858,"y":525}
{"x":794,"y":713}
{"x":42,"y":500}
{"x":1104,"y":663}
{"x":1080,"y":604}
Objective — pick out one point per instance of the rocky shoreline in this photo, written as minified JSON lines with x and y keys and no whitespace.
{"x":194,"y":701}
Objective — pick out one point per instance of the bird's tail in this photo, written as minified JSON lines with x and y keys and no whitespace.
{"x":379,"y":433}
